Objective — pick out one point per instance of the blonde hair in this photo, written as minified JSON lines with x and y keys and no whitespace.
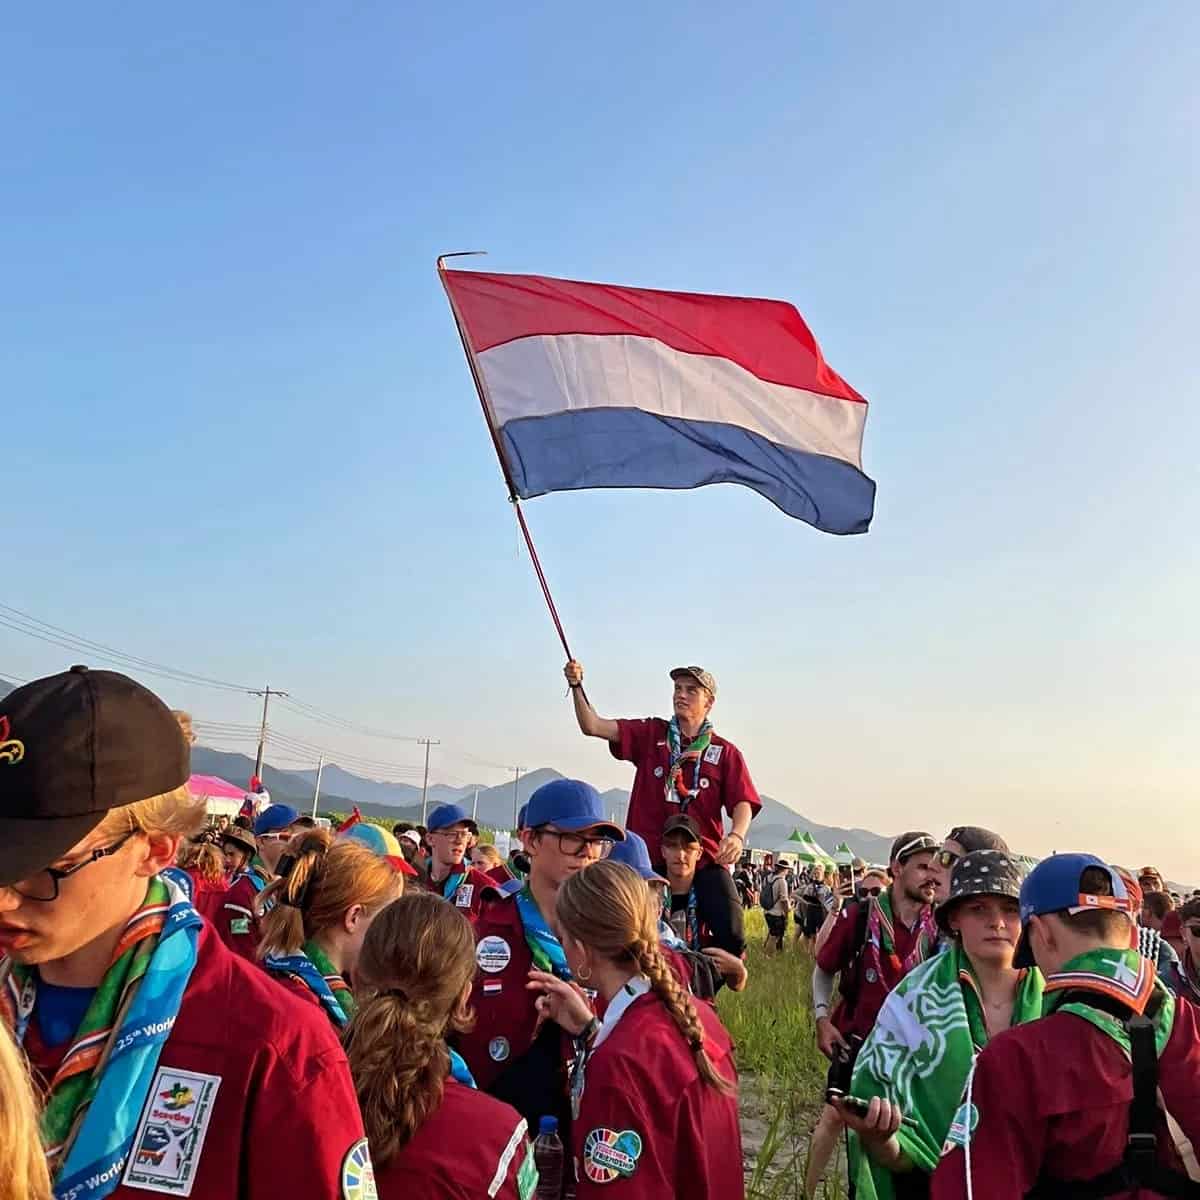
{"x":204,"y":858}
{"x":185,"y":725}
{"x":175,"y":814}
{"x":318,"y":882}
{"x":489,"y":852}
{"x":23,"y":1174}
{"x":417,"y":960}
{"x":607,"y":907}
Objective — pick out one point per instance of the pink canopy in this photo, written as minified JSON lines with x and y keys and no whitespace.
{"x":212,"y":785}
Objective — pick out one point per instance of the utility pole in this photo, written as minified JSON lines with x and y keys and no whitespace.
{"x":516,"y":804}
{"x":475,"y":807}
{"x":266,"y":694}
{"x":426,"y":742}
{"x":317,"y":789}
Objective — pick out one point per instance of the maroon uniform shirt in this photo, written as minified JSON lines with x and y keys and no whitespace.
{"x":724,"y":783}
{"x":471,"y":1147}
{"x":501,"y":1050}
{"x":279,"y":1073}
{"x":642,"y":1081}
{"x":1053,"y":1097}
{"x":232,"y":916}
{"x":468,"y":896}
{"x":861,"y":996}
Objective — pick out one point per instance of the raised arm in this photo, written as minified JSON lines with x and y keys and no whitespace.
{"x":591,"y":724}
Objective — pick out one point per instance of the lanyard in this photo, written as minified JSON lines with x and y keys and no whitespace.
{"x":638,"y":986}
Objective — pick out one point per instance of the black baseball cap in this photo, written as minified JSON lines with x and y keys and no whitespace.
{"x":682,"y":823}
{"x":914,"y":842}
{"x":72,"y":747}
{"x":981,"y":873}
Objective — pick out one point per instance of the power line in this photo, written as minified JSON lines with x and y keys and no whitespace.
{"x":30,"y":626}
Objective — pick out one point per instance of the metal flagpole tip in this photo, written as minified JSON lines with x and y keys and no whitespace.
{"x":458,"y":254}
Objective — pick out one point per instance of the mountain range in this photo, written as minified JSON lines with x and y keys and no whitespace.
{"x":497,"y":806}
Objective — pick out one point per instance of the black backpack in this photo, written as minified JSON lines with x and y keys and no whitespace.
{"x":1139,"y":1167}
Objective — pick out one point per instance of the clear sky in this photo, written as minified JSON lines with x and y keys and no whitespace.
{"x":240,"y":436}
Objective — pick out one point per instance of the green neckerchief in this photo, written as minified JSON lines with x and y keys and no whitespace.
{"x":1122,"y":974}
{"x":919,"y":1054}
{"x":342,"y":995}
{"x":76,"y":1080}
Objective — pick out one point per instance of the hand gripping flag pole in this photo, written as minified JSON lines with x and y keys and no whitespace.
{"x":514,"y":499}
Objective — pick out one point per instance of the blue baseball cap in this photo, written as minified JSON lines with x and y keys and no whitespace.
{"x":521,"y":817}
{"x":446,"y":815}
{"x":275,"y":818}
{"x":634,"y":853}
{"x":1053,"y":887}
{"x":571,"y":805}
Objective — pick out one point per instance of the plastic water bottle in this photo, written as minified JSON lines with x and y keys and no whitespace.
{"x":548,"y":1156}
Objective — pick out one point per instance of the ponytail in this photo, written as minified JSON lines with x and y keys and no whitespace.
{"x":318,"y":882}
{"x":665,"y":985}
{"x":416,"y":962}
{"x":205,"y":859}
{"x":607,"y":906}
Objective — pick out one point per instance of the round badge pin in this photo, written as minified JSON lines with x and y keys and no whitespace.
{"x":871,"y":976}
{"x":493,"y":954}
{"x":499,"y":1049}
{"x":704,"y":783}
{"x":658,"y":772}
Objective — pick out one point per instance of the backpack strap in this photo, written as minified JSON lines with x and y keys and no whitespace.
{"x":1139,"y":1167}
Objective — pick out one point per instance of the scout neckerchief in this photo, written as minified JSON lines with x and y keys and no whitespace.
{"x":545,"y":948}
{"x":452,"y":882}
{"x":639,"y":985}
{"x":459,"y":1069}
{"x":1123,"y":975}
{"x":691,"y":937}
{"x":919,"y":1053}
{"x":100,"y":1088}
{"x":677,"y":791}
{"x":881,"y":939}
{"x":181,"y":879}
{"x":317,"y":973}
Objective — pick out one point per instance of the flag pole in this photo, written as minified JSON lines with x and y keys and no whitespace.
{"x":514,"y":499}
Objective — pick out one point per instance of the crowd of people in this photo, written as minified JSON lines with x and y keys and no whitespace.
{"x":261,"y":1006}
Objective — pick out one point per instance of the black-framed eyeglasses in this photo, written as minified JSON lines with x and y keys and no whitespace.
{"x":946,"y":858}
{"x":575,"y":844}
{"x":43,"y":887}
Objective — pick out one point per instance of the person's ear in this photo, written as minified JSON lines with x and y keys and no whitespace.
{"x":351,"y":917}
{"x":161,"y":849}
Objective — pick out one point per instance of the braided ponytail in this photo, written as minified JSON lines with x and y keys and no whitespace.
{"x":416,"y":965}
{"x":665,"y":985}
{"x":607,"y":906}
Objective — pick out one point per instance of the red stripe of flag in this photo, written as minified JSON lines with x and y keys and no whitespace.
{"x":767,"y":337}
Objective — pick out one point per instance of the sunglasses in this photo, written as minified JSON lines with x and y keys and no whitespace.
{"x":871,"y":891}
{"x":946,"y":858}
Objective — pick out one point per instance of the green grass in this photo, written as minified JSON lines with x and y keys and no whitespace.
{"x":782,"y":1071}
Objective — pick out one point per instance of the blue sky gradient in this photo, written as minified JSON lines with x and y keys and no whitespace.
{"x":241,"y":437}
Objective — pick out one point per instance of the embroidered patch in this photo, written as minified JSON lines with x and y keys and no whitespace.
{"x":169,"y":1140}
{"x":239,"y":925}
{"x":713,"y":754}
{"x":493,"y":954}
{"x":871,"y":975}
{"x":609,"y":1155}
{"x":462,"y":898}
{"x":962,"y":1128}
{"x":358,"y":1175}
{"x":11,"y":750}
{"x":492,"y":987}
{"x":499,"y":1049}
